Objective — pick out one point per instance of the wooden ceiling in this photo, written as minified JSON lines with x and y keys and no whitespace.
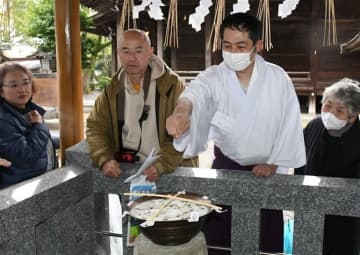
{"x":108,"y":11}
{"x":105,"y":18}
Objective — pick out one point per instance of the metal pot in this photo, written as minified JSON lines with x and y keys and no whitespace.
{"x":171,"y":232}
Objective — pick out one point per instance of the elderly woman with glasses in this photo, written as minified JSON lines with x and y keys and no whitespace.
{"x":332,"y":143}
{"x":24,"y":139}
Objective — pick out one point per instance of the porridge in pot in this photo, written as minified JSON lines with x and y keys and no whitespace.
{"x":175,"y":210}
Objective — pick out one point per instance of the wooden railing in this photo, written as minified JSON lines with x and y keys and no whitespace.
{"x":188,"y":75}
{"x":299,"y":78}
{"x":302,"y":83}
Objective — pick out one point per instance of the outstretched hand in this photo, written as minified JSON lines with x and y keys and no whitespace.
{"x":177,"y":124}
{"x":179,"y":121}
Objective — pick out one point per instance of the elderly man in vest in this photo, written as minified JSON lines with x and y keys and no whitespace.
{"x":128,"y":118}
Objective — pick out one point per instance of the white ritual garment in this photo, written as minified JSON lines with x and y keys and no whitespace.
{"x":261,"y":126}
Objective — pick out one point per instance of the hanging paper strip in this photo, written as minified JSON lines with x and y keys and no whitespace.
{"x":155,"y":11}
{"x":171,"y":35}
{"x":330,"y":34}
{"x":126,"y":16}
{"x":241,"y":6}
{"x":287,"y":7}
{"x":139,"y":8}
{"x":152,"y":7}
{"x":263,"y":14}
{"x":197,"y":18}
{"x":215,"y":30}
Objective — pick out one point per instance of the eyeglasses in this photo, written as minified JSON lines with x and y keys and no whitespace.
{"x":15,"y":85}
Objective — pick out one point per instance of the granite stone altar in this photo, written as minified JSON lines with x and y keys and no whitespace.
{"x":55,"y":213}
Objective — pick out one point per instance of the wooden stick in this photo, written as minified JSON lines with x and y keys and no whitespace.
{"x":216,"y":208}
{"x":150,"y":220}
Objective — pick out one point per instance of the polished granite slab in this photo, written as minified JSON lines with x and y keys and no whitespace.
{"x":49,"y":214}
{"x":309,"y":197}
{"x":55,"y":213}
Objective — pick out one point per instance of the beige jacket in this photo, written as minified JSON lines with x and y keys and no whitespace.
{"x":102,"y":124}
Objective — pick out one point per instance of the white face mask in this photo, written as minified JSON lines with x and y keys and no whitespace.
{"x":237,"y":61}
{"x":331,"y":122}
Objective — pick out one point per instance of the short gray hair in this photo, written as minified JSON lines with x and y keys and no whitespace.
{"x":346,"y":91}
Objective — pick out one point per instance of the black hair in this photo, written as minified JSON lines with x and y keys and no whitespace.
{"x":243,"y":22}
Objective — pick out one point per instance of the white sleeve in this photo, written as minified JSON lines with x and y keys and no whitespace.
{"x":200,"y":93}
{"x":289,"y":147}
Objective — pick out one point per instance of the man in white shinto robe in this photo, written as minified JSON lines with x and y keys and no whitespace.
{"x":259,"y":126}
{"x":246,"y":105}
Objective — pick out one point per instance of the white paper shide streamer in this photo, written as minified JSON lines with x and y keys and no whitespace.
{"x":197,"y":18}
{"x":287,"y":7}
{"x":241,"y":6}
{"x":155,"y":11}
{"x":153,"y":8}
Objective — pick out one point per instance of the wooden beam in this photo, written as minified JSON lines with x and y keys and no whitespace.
{"x":69,"y":73}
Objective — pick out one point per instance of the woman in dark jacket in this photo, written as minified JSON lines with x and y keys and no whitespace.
{"x":24,"y":139}
{"x":332,"y":149}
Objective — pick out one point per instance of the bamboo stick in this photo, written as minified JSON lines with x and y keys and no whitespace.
{"x":150,"y":220}
{"x":208,"y":204}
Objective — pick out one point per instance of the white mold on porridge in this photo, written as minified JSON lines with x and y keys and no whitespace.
{"x":174,"y":211}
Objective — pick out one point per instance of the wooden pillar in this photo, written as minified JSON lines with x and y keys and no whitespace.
{"x":159,"y":38}
{"x":69,"y":73}
{"x":314,"y":55}
{"x":114,"y":63}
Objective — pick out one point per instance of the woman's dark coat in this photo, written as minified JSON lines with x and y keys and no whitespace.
{"x":332,"y":156}
{"x":23,"y":143}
